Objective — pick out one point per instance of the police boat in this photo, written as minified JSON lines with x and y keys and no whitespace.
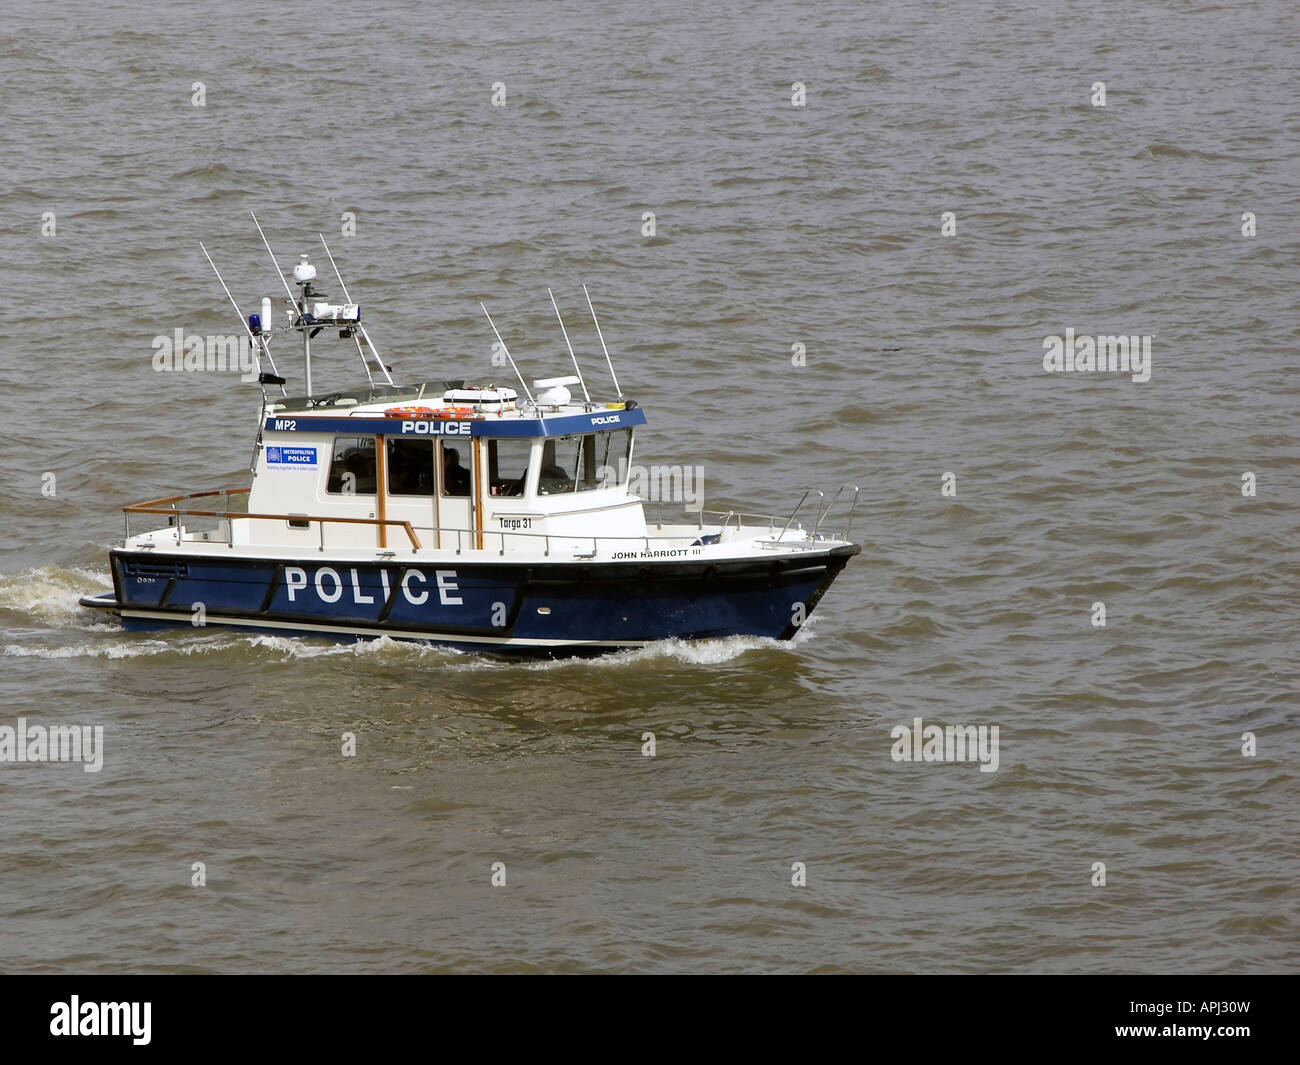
{"x":459,"y":513}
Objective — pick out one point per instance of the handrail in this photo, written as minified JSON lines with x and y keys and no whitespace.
{"x":803,"y":498}
{"x":410,"y":529}
{"x":821,"y":514}
{"x":167,"y":507}
{"x":173,"y":512}
{"x":848,"y":527}
{"x":824,"y":514}
{"x":502,"y":535}
{"x":192,"y":495}
{"x":770,"y":520}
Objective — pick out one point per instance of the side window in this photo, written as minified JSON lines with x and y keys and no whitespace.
{"x":352,"y":469}
{"x":410,"y":467}
{"x":455,"y":469}
{"x":508,"y":465}
{"x":612,"y":450}
{"x":574,"y":464}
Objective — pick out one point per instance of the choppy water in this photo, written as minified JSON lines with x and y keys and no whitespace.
{"x":776,"y":225}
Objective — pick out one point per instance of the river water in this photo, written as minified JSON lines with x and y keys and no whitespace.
{"x":782,"y":234}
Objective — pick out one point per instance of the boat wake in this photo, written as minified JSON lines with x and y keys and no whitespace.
{"x":49,"y":594}
{"x":118,"y":648}
{"x":384,"y":649}
{"x":38,"y":605}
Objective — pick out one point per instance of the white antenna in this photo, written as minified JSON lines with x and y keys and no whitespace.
{"x":269,"y":252}
{"x":512,"y":361}
{"x":608,"y":361}
{"x":362,"y":328}
{"x":256,"y":344}
{"x":336,"y":268}
{"x":302,"y":311}
{"x":576,"y":368}
{"x":378,"y":358}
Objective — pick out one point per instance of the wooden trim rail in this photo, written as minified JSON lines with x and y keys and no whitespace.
{"x":192,"y":495}
{"x":167,"y":507}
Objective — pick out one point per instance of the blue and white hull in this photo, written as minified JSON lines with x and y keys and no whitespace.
{"x":538,"y":607}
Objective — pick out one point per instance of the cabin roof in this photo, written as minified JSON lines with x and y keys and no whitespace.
{"x":563,"y":421}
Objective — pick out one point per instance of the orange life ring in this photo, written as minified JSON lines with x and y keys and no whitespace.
{"x":454,"y":412}
{"x":411,"y":412}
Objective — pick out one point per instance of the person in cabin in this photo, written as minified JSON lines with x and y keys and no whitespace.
{"x":553,"y":479}
{"x":360,"y":463}
{"x":455,"y":478}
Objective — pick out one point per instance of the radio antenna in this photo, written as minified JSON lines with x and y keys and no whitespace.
{"x":301,"y":323}
{"x":336,"y":268}
{"x":608,"y":361}
{"x":279,"y":272}
{"x":256,"y":343}
{"x":364,"y":362}
{"x":512,"y":361}
{"x":576,"y":368}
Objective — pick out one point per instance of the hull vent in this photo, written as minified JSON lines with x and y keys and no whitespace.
{"x":154,"y":568}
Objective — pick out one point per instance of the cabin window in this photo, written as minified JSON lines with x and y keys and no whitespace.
{"x":352,"y":470}
{"x":612,"y":450}
{"x":568,"y":465}
{"x":410,"y":467}
{"x":581,"y":463}
{"x":456,"y":465}
{"x":508,"y":460}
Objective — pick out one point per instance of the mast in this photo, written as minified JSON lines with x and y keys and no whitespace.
{"x":306,"y":345}
{"x":259,"y":343}
{"x":303,"y":275}
{"x":608,"y":361}
{"x":576,"y":368}
{"x":360,"y":328}
{"x":522,"y":383}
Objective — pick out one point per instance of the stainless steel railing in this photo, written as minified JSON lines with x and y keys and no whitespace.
{"x":468,"y":538}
